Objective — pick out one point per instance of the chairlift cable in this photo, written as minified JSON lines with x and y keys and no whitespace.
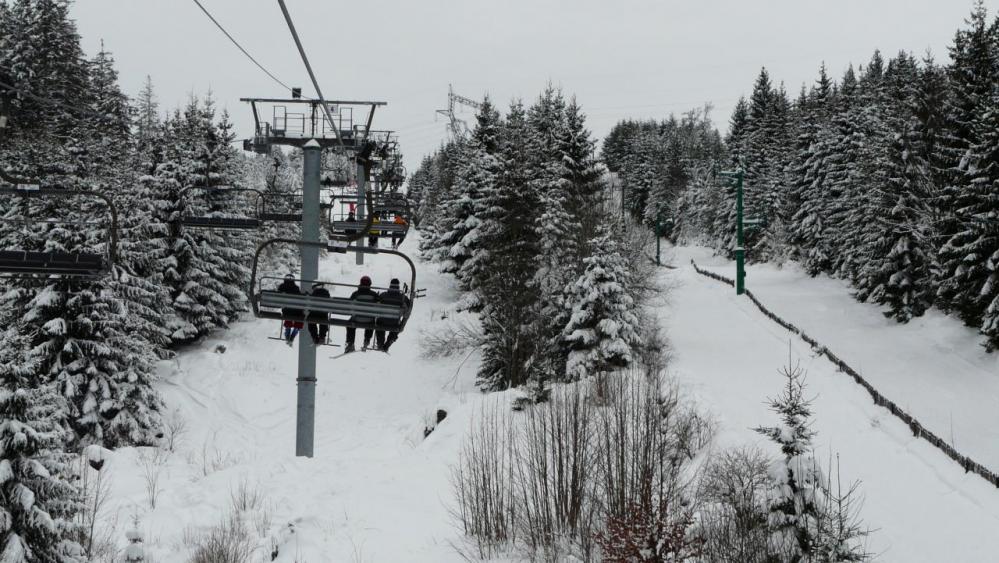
{"x":308,"y":67}
{"x":240,"y":47}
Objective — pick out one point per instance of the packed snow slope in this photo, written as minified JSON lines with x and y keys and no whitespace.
{"x":922,"y":505}
{"x":376,"y":490}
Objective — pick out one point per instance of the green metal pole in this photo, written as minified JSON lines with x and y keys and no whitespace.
{"x":740,"y":249}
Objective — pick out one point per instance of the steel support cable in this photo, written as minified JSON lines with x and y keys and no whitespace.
{"x":240,"y":47}
{"x":308,"y":67}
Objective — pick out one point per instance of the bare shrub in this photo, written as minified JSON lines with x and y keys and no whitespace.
{"x":227,"y":542}
{"x":174,"y":431}
{"x":152,"y":460}
{"x":246,"y":496}
{"x":654,"y":353}
{"x":96,"y":528}
{"x":213,"y":459}
{"x":554,"y":473}
{"x":571,"y":468}
{"x":483,"y":480}
{"x":453,"y":335}
{"x":734,"y":514}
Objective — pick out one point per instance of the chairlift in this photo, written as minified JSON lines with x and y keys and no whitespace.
{"x":77,"y":264}
{"x":379,"y":207}
{"x":269,"y":303}
{"x":213,"y":220}
{"x":281,"y":213}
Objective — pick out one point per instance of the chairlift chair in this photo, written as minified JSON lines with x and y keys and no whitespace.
{"x":339,"y":226}
{"x":268,"y":213}
{"x":78,"y":264}
{"x":332,"y":311}
{"x":221,"y":222}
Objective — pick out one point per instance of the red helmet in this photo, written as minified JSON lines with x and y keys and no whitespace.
{"x":365,"y":281}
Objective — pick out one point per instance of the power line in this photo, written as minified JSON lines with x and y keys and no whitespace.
{"x":240,"y":47}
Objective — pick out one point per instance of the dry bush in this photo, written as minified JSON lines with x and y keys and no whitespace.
{"x":555,"y":474}
{"x":483,"y":481}
{"x":227,"y":542}
{"x":153,"y":461}
{"x":551,"y":479}
{"x":213,"y":459}
{"x":246,"y":497}
{"x":450,"y":336}
{"x":96,"y":529}
{"x":734,"y":516}
{"x":174,"y":430}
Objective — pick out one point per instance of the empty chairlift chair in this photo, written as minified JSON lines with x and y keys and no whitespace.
{"x":281,"y":208}
{"x":337,"y":310}
{"x":91,"y":263}
{"x":202,"y":216}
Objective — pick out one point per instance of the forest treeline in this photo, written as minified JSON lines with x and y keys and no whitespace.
{"x":517,"y":213}
{"x":886,"y":177}
{"x":77,"y":356}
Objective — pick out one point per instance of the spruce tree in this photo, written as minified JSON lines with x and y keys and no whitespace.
{"x":508,"y":294}
{"x":794,"y":509}
{"x":602,"y":328}
{"x":37,"y":501}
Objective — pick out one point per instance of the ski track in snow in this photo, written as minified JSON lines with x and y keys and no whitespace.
{"x":378,"y":491}
{"x":922,"y":505}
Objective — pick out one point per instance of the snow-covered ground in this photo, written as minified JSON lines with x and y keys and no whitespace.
{"x":378,"y":491}
{"x":923,"y":506}
{"x":934,"y":367}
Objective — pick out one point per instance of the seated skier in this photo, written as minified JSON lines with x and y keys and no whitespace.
{"x":316,"y":330}
{"x":391,"y":297}
{"x":291,"y":328}
{"x":363,"y":293}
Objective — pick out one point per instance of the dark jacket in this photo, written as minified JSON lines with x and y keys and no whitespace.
{"x":289,"y":286}
{"x":364,"y":293}
{"x":393,"y":297}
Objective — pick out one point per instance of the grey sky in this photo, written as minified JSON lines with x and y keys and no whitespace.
{"x":629,"y":58}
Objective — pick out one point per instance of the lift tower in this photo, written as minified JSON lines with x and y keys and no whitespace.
{"x":313,"y":126}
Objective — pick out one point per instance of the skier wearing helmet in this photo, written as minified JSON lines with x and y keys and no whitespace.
{"x":363,"y":293}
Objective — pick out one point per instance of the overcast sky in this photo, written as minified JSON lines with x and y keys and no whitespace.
{"x":626,"y":58}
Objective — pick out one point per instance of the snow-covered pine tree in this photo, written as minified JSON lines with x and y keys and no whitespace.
{"x":898,"y":271}
{"x":972,"y":74}
{"x":436,"y":201}
{"x":794,"y":510}
{"x":508,"y":294}
{"x":37,"y":501}
{"x":661,"y":207}
{"x":477,"y":178}
{"x":118,"y":163}
{"x":207,"y":270}
{"x":79,"y":331}
{"x":146,"y":122}
{"x":559,"y":257}
{"x":974,"y":283}
{"x":602,"y":328}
